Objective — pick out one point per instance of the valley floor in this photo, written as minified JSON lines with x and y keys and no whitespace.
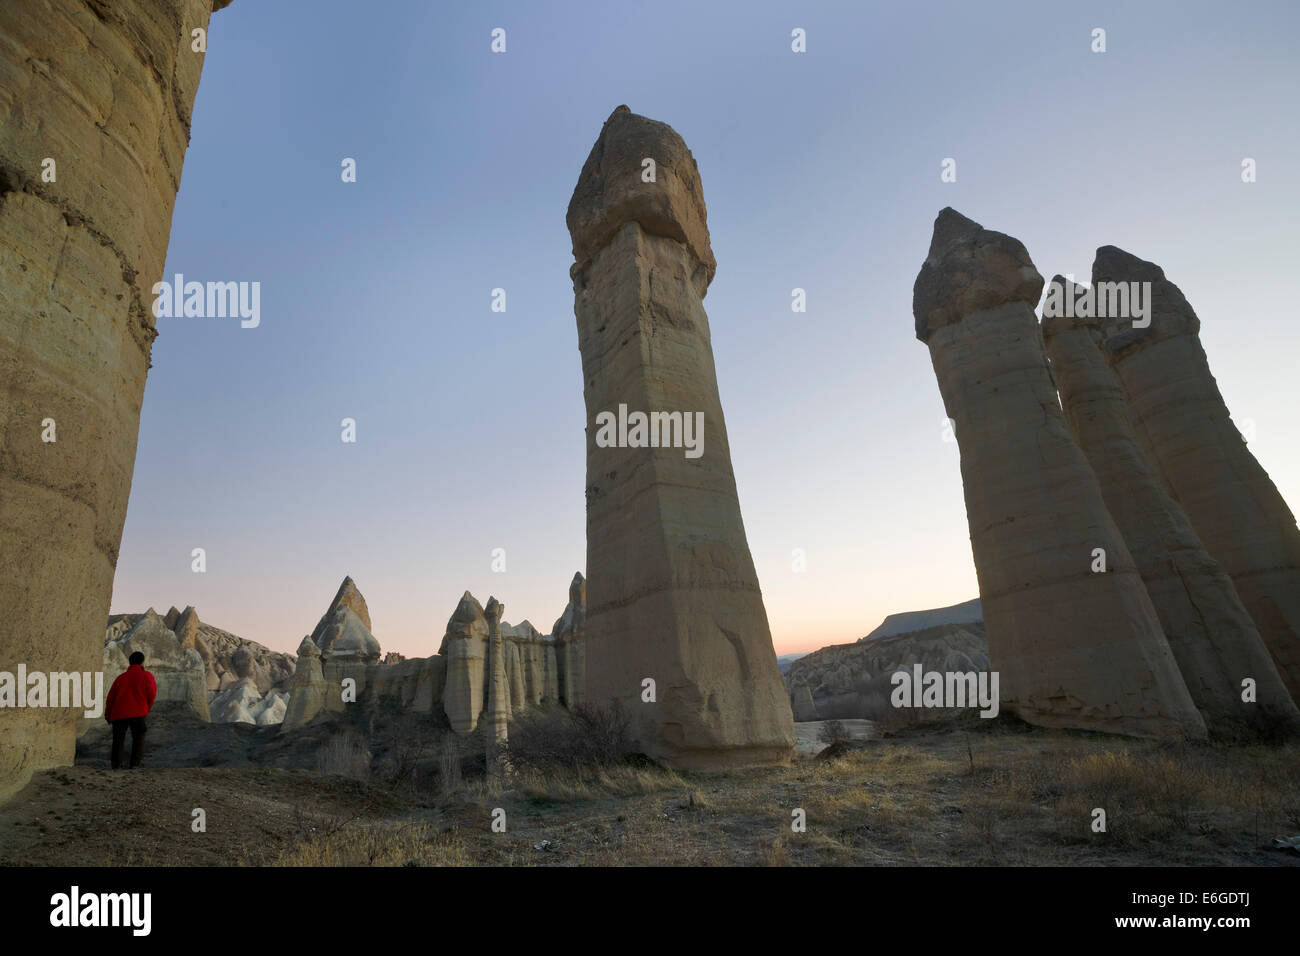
{"x":961,"y":794}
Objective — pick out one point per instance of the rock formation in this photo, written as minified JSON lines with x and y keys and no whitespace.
{"x":1211,"y":634}
{"x":464,"y":646}
{"x":106,"y":91}
{"x":1074,"y":648}
{"x":848,"y":681}
{"x":307,"y":699}
{"x":177,"y":670}
{"x":348,"y":650}
{"x":343,"y":631}
{"x":673,"y":595}
{"x":1185,"y":428}
{"x":242,"y":704}
{"x":227,"y":658}
{"x":570,"y":633}
{"x":498,"y":689}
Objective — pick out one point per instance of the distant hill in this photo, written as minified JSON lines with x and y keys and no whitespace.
{"x":907,"y":621}
{"x":783,"y":661}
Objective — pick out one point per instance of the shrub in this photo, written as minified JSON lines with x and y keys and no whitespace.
{"x":586,"y":736}
{"x":346,"y":753}
{"x":833,"y":731}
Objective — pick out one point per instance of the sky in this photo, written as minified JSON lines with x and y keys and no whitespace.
{"x":821,"y":171}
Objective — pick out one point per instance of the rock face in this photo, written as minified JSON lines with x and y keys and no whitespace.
{"x":307,"y":699}
{"x":106,"y":91}
{"x":464,"y":646}
{"x":849,"y":681}
{"x":348,"y":650}
{"x":673,"y":595}
{"x":498,"y":690}
{"x":570,"y":633}
{"x":343,"y":631}
{"x":1212,"y":636}
{"x":1074,"y":648}
{"x":1184,"y":425}
{"x":242,"y":704}
{"x":227,"y":658}
{"x":177,"y":670}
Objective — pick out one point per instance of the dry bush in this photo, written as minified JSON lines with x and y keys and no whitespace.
{"x":833,"y":731}
{"x":403,"y":763}
{"x":588,"y":736}
{"x":346,"y":753}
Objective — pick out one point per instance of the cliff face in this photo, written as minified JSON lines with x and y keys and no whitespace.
{"x":95,"y":104}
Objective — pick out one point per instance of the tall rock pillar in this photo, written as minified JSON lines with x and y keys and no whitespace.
{"x":1074,"y":648}
{"x":1184,"y":424}
{"x":672,"y":594}
{"x":95,"y":103}
{"x":498,"y":690}
{"x":1210,"y":632}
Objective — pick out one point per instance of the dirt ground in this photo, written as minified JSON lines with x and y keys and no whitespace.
{"x":956,"y":794}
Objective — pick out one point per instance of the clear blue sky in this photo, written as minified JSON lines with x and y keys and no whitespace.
{"x":820,"y":170}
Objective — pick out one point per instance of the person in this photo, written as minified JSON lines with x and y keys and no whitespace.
{"x":128,"y":703}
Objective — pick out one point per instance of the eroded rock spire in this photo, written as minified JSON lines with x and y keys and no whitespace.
{"x":1188,"y":434}
{"x":1074,"y":647}
{"x":677,"y":634}
{"x":1210,"y":632}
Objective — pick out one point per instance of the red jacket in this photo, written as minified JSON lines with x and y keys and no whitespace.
{"x":131,"y":695}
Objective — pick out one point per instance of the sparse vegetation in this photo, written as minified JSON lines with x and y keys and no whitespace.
{"x":586,"y":737}
{"x":346,"y":753}
{"x":832,"y":732}
{"x":978,"y":791}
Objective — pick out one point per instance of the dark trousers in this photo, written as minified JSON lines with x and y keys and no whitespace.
{"x":137,"y":727}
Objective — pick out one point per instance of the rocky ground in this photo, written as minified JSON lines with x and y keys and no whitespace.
{"x":983,"y":792}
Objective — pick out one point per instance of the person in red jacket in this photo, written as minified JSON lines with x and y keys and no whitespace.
{"x":129,"y":701}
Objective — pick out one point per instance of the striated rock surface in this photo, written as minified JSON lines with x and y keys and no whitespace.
{"x":497,"y":704}
{"x":672,"y":591}
{"x":105,"y":90}
{"x":1209,"y":630}
{"x":570,"y":634}
{"x":464,"y":646}
{"x":343,"y":631}
{"x":1074,"y":648}
{"x":1184,"y":426}
{"x":307,"y":698}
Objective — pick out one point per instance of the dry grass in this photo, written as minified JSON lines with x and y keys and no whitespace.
{"x":346,"y":753}
{"x":377,"y":845}
{"x":979,"y":793}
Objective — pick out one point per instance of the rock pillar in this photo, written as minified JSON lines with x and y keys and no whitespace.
{"x":498,"y":696}
{"x":1074,"y":647}
{"x":1211,"y":634}
{"x":465,"y":648}
{"x":1185,"y":427}
{"x":95,"y":104}
{"x":673,"y":597}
